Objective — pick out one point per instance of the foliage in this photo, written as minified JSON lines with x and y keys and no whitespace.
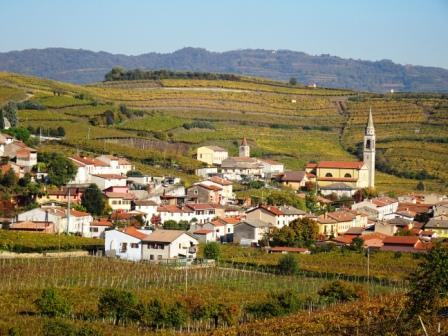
{"x":119,"y":73}
{"x":10,"y":113}
{"x":134,"y":173}
{"x":19,"y":133}
{"x":280,"y":303}
{"x":288,"y":264}
{"x":52,"y":304}
{"x":299,"y":232}
{"x":285,"y":197}
{"x":199,"y":124}
{"x":93,"y":200}
{"x":339,"y":291}
{"x":357,"y":244}
{"x":119,"y":304}
{"x":30,"y":105}
{"x":60,"y":169}
{"x":212,"y":250}
{"x":429,"y":283}
{"x":173,"y":225}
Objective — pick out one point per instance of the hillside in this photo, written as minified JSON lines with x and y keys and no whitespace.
{"x":157,"y":129}
{"x":83,"y":66}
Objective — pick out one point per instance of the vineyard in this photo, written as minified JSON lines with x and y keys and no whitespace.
{"x":83,"y":280}
{"x":293,"y":125}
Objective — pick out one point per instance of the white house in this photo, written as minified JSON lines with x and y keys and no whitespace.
{"x":105,"y":181}
{"x":98,"y":227}
{"x":276,"y":216}
{"x":250,"y":231}
{"x":205,"y":235}
{"x":271,"y":167}
{"x":211,"y":154}
{"x":78,"y":222}
{"x":175,"y":213}
{"x":116,"y":164}
{"x":169,"y":244}
{"x":203,"y":212}
{"x":225,"y":185}
{"x":124,"y":244}
{"x":148,"y":207}
{"x":383,"y":207}
{"x":119,"y":200}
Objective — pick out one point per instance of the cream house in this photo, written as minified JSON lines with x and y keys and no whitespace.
{"x":211,"y":154}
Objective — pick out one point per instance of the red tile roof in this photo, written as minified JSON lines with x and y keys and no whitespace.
{"x":272,"y":209}
{"x":220,"y":181}
{"x":132,"y":231}
{"x":200,"y":206}
{"x":203,"y":231}
{"x":126,"y":196}
{"x":84,"y":161}
{"x":401,"y":240}
{"x":340,"y":164}
{"x":210,"y":187}
{"x":101,"y":222}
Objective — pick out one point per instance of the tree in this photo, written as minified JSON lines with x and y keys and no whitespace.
{"x":58,"y":328}
{"x":299,"y":232}
{"x":292,"y":81}
{"x":212,"y":251}
{"x":429,"y":283}
{"x":60,"y":169}
{"x":52,"y":304}
{"x":2,"y":120}
{"x":420,"y":186}
{"x":339,"y":291}
{"x":288,"y":265}
{"x":93,"y":200}
{"x":357,"y":244}
{"x":118,"y":304}
{"x":61,"y":131}
{"x":9,"y":179}
{"x":10,"y":113}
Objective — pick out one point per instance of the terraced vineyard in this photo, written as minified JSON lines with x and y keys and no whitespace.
{"x":291,"y":124}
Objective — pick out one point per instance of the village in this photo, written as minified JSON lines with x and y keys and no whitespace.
{"x":157,"y":218}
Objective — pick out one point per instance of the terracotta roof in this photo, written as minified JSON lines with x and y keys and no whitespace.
{"x":400,"y":240}
{"x":293,"y":176}
{"x":23,"y":153}
{"x":200,"y":206}
{"x":340,"y":164}
{"x":209,"y":187}
{"x":77,"y":213}
{"x":311,"y":165}
{"x":145,"y":203}
{"x":219,"y":180}
{"x":270,"y":208}
{"x":32,"y":225}
{"x":84,"y":161}
{"x":322,"y":219}
{"x":132,"y":231}
{"x":383,"y":201}
{"x":244,"y":142}
{"x":203,"y":231}
{"x":418,"y":208}
{"x":126,"y":196}
{"x":173,"y":209}
{"x":164,"y":236}
{"x":341,"y":216}
{"x":217,"y":223}
{"x":101,"y":222}
{"x":225,"y":220}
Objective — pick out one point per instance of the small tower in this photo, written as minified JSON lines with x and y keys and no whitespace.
{"x":244,"y":148}
{"x":369,"y":150}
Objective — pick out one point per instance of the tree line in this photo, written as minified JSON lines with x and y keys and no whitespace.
{"x":119,"y":73}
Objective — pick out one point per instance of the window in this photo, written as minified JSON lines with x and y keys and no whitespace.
{"x":348,"y":175}
{"x":134,"y":245}
{"x":124,"y":247}
{"x":228,"y":230}
{"x":180,"y":245}
{"x":93,"y":229}
{"x":159,"y":257}
{"x":328,"y":175}
{"x":368,"y":144}
{"x":151,"y":257}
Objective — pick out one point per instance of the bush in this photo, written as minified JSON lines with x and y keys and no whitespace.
{"x":212,"y":251}
{"x":278,"y":304}
{"x":58,"y":328}
{"x":118,"y":304}
{"x":288,"y":265}
{"x":339,"y":291}
{"x":51,"y":304}
{"x":199,"y":124}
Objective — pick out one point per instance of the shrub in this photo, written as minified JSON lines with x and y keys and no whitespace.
{"x":118,"y":304}
{"x":52,"y":304}
{"x":288,"y":265}
{"x":58,"y":328}
{"x":339,"y":291}
{"x":212,"y":250}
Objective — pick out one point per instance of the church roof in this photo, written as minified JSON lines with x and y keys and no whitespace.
{"x":370,"y":129}
{"x":340,"y":164}
{"x":244,"y":142}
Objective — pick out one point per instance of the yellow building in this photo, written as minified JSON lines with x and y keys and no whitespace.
{"x":359,"y":174}
{"x":211,"y":154}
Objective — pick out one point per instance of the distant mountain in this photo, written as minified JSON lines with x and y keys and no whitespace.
{"x":83,"y":66}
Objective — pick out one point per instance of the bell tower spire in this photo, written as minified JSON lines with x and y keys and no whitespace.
{"x":369,"y":150}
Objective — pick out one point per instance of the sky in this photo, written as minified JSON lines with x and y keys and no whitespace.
{"x":405,"y":31}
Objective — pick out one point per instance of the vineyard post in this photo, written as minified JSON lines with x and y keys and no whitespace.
{"x":368,"y":271}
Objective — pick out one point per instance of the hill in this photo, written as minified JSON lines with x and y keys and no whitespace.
{"x":152,"y":122}
{"x":83,"y":66}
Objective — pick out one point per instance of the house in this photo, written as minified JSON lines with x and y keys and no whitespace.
{"x":45,"y":227}
{"x":271,"y":168}
{"x":205,"y":235}
{"x":78,"y":222}
{"x":169,"y":244}
{"x":62,"y":194}
{"x":438,"y":226}
{"x":225,"y":185}
{"x":98,"y":227}
{"x":204,"y":193}
{"x":235,"y":168}
{"x":338,"y":222}
{"x":277,"y":216}
{"x":251,"y":231}
{"x":212,"y":155}
{"x":354,"y":174}
{"x":118,"y":165}
{"x":441,"y":208}
{"x":202,"y":212}
{"x":105,"y":181}
{"x":25,"y":157}
{"x":124,"y":244}
{"x":294,"y":179}
{"x":379,"y":207}
{"x":411,"y":244}
{"x":339,"y":189}
{"x":119,"y":200}
{"x":392,"y":226}
{"x":148,"y":207}
{"x":175,"y":213}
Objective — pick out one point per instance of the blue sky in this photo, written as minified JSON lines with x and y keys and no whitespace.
{"x":405,"y":31}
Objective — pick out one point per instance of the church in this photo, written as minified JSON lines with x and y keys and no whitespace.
{"x":334,"y":176}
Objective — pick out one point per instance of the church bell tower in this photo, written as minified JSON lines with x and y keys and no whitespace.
{"x":369,"y":150}
{"x":244,"y":148}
